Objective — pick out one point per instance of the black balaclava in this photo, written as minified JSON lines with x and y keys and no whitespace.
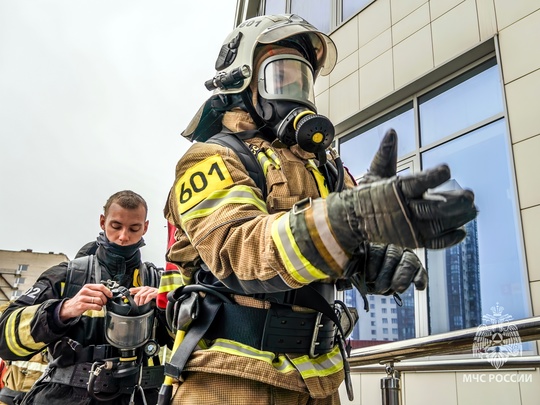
{"x":119,"y":261}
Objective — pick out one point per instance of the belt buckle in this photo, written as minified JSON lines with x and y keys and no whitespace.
{"x":314,"y":342}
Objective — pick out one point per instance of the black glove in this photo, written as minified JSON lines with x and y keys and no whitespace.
{"x":398,"y":210}
{"x":392,"y":269}
{"x":386,"y":270}
{"x":380,"y":268}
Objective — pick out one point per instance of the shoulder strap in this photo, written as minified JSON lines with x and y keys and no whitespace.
{"x":81,"y":271}
{"x":248,"y":159}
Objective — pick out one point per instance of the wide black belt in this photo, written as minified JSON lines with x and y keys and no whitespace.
{"x":78,"y":376}
{"x":8,"y":395}
{"x":278,"y":329}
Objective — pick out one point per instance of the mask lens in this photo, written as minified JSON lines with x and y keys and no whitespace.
{"x":287,"y":79}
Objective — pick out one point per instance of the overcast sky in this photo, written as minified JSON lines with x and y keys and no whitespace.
{"x":93,"y":97}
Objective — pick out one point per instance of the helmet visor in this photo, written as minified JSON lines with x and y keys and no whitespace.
{"x":286,"y":77}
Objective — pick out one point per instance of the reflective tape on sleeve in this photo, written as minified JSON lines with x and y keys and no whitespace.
{"x":17,"y":332}
{"x":295,"y":263}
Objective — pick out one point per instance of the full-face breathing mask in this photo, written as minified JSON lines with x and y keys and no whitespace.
{"x":286,"y":103}
{"x":128,"y":327}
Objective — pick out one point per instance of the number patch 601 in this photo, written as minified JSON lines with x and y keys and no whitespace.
{"x":201,"y":180}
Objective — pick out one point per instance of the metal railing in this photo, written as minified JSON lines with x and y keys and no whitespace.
{"x":383,"y":357}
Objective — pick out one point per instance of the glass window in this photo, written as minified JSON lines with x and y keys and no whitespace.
{"x":326,"y":15}
{"x":357,"y":149}
{"x":275,"y":7}
{"x":319,"y":16}
{"x":460,"y":123}
{"x":351,"y":7}
{"x":465,"y":101}
{"x":486,"y":269}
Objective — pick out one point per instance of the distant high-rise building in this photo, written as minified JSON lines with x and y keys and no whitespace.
{"x":463,"y":282}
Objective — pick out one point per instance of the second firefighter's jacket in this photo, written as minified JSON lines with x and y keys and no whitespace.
{"x":28,"y":325}
{"x":246,"y":242}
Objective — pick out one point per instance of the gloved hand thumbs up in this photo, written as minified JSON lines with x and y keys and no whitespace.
{"x":384,"y":162}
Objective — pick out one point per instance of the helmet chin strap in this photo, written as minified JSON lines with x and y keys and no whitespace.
{"x":248,"y":104}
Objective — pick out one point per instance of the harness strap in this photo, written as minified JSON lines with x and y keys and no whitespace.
{"x":234,"y":141}
{"x":197,"y":330}
{"x":81,"y":271}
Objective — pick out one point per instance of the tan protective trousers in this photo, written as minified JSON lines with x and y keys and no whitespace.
{"x":215,"y":389}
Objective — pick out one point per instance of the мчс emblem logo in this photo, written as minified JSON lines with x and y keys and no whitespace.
{"x":497,"y":339}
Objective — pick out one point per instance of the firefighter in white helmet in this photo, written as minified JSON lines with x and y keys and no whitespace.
{"x":259,"y":262}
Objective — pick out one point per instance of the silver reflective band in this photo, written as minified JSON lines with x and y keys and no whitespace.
{"x":286,"y":77}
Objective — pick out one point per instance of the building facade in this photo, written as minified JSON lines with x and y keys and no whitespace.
{"x":20,"y":269}
{"x":458,"y":80}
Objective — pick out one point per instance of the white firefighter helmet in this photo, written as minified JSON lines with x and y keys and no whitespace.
{"x":236,"y":56}
{"x":235,"y":63}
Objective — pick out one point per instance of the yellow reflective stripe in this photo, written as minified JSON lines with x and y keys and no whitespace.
{"x":29,"y":365}
{"x":23,"y":332}
{"x":62,"y":286}
{"x":171,"y":280}
{"x":217,"y":199}
{"x":319,"y":217}
{"x":274,"y":157}
{"x":319,"y":178}
{"x":137,"y":278}
{"x":295,"y":263}
{"x":263,"y":161}
{"x":280,"y":363}
{"x":320,"y":366}
{"x":91,"y":313}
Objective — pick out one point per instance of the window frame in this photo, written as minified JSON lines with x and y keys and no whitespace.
{"x":413,"y":160}
{"x":335,"y":14}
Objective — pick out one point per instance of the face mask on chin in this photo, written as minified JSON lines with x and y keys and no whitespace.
{"x":118,"y":250}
